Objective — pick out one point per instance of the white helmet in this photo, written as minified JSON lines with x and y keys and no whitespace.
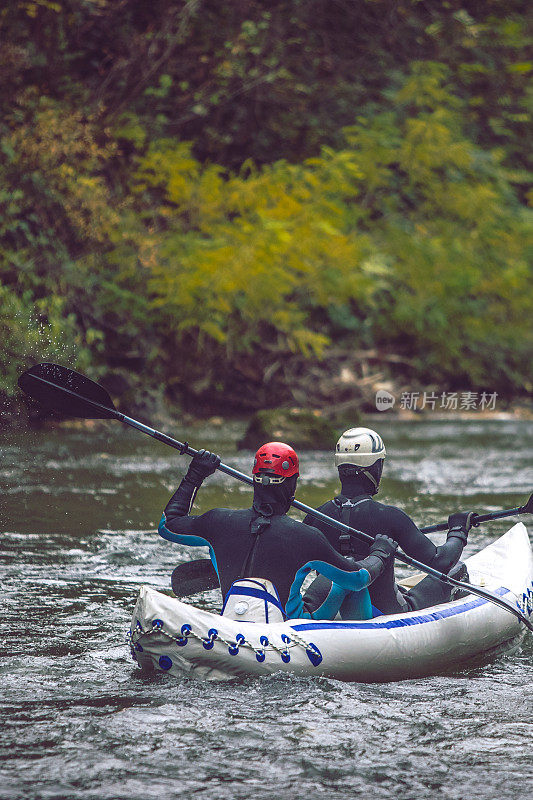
{"x":359,"y":446}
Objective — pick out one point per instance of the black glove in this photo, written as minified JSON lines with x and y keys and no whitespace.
{"x":460,"y":523}
{"x":383,"y":547}
{"x":381,"y":551}
{"x":202,"y":464}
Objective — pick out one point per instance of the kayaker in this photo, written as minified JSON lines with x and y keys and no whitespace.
{"x":262,"y":541}
{"x":359,"y":457}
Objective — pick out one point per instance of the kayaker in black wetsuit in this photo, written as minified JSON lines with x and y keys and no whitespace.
{"x":261,"y":541}
{"x":359,"y":457}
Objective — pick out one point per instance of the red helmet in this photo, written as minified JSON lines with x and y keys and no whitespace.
{"x":278,"y":458}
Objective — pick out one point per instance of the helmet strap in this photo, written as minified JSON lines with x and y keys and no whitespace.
{"x":266,"y":480}
{"x":370,"y":477}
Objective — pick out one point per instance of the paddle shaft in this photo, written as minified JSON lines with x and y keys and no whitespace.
{"x":185,"y":448}
{"x":443,"y":526}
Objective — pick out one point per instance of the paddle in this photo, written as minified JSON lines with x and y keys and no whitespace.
{"x":61,"y":389}
{"x":479,"y":518}
{"x":194,"y":576}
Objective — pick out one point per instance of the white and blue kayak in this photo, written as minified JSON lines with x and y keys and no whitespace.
{"x":178,"y":638}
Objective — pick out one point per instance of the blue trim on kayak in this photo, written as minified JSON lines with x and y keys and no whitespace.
{"x":263,"y":595}
{"x":400,"y":623}
{"x":249,"y":591}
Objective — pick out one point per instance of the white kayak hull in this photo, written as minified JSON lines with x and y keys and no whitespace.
{"x":179,"y":638}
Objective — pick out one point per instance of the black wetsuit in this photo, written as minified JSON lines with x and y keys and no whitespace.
{"x":361,"y":511}
{"x":260,"y":541}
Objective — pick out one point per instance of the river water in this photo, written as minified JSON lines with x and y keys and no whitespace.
{"x":79,"y":511}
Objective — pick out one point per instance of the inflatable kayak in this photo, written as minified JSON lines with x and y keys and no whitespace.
{"x":178,"y":638}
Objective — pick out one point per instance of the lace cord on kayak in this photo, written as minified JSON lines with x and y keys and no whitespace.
{"x":135,"y":636}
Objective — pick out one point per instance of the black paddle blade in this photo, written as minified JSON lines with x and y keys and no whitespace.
{"x":67,"y":392}
{"x":194,"y":576}
{"x":528,"y":507}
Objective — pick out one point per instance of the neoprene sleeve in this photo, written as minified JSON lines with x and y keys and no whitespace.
{"x":181,"y":501}
{"x":447,"y":554}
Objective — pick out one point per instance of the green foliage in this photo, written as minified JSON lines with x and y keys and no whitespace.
{"x":55,"y":206}
{"x":250,"y":256}
{"x":410,"y":226}
{"x":456,"y":239}
{"x":188,"y":185}
{"x":33,"y":331}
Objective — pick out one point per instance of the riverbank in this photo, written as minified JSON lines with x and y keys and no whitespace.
{"x":166,"y":417}
{"x":308,"y":409}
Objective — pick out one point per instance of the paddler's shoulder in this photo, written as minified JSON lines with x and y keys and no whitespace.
{"x":392,"y":514}
{"x":226,"y":514}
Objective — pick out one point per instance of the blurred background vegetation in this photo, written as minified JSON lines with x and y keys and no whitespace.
{"x":245,"y":204}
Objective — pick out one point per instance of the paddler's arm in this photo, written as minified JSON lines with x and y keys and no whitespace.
{"x":346,"y":575}
{"x":400,"y":527}
{"x":176,"y":525}
{"x":416,"y":544}
{"x":449,"y":553}
{"x":369,"y":568}
{"x":381,"y":552}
